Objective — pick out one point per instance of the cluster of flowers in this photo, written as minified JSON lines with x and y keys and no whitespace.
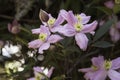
{"x":76,"y":26}
{"x":98,"y":71}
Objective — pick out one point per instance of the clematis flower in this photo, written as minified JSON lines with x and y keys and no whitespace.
{"x":77,"y":26}
{"x":102,"y":68}
{"x":39,"y":73}
{"x":44,"y":40}
{"x":50,"y":21}
{"x":14,"y":27}
{"x":115,"y":32}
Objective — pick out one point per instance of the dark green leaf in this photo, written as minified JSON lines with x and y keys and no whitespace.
{"x":102,"y":44}
{"x":103,"y":29}
{"x":107,"y":11}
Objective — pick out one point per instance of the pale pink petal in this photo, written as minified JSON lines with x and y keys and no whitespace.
{"x":35,"y":44}
{"x":64,"y":14}
{"x":115,"y":63}
{"x":81,"y":41}
{"x":44,"y":29}
{"x":109,"y":4}
{"x":50,"y":72}
{"x":59,"y":20}
{"x":100,"y":75}
{"x":98,"y":61}
{"x":71,"y":18}
{"x":36,"y":31}
{"x":114,"y":33}
{"x":97,"y":75}
{"x":67,"y":30}
{"x":114,"y":75}
{"x":44,"y":46}
{"x":37,"y":69}
{"x":31,"y":78}
{"x":89,"y":27}
{"x":56,"y":29}
{"x":85,"y":19}
{"x":54,"y":38}
{"x":85,"y":70}
{"x":89,"y":76}
{"x":68,"y":16}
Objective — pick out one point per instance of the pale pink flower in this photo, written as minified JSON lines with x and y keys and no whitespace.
{"x":77,"y":26}
{"x":101,"y":68}
{"x":45,"y":39}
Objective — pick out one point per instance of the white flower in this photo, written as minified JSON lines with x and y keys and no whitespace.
{"x":9,"y":49}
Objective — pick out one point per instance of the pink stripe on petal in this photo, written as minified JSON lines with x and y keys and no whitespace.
{"x":89,"y":27}
{"x":59,"y":20}
{"x":44,"y":46}
{"x":54,"y":38}
{"x":35,"y":44}
{"x":68,"y":30}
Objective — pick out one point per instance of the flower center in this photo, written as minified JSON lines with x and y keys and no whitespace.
{"x":51,"y":21}
{"x":42,"y":36}
{"x":107,"y":64}
{"x":95,"y":68}
{"x":78,"y":26}
{"x":78,"y":17}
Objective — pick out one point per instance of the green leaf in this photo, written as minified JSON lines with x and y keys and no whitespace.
{"x":103,"y":29}
{"x":102,"y":44}
{"x":107,"y":11}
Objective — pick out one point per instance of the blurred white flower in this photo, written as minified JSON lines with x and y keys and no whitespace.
{"x":22,"y":61}
{"x":10,"y":49}
{"x":15,"y":66}
{"x":31,"y":53}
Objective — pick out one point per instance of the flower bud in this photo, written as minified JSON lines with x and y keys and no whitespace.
{"x":43,"y":16}
{"x":14,"y":27}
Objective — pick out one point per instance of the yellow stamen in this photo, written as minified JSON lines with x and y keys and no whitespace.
{"x":78,"y":26}
{"x":107,"y":64}
{"x":51,"y":21}
{"x":42,"y":36}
